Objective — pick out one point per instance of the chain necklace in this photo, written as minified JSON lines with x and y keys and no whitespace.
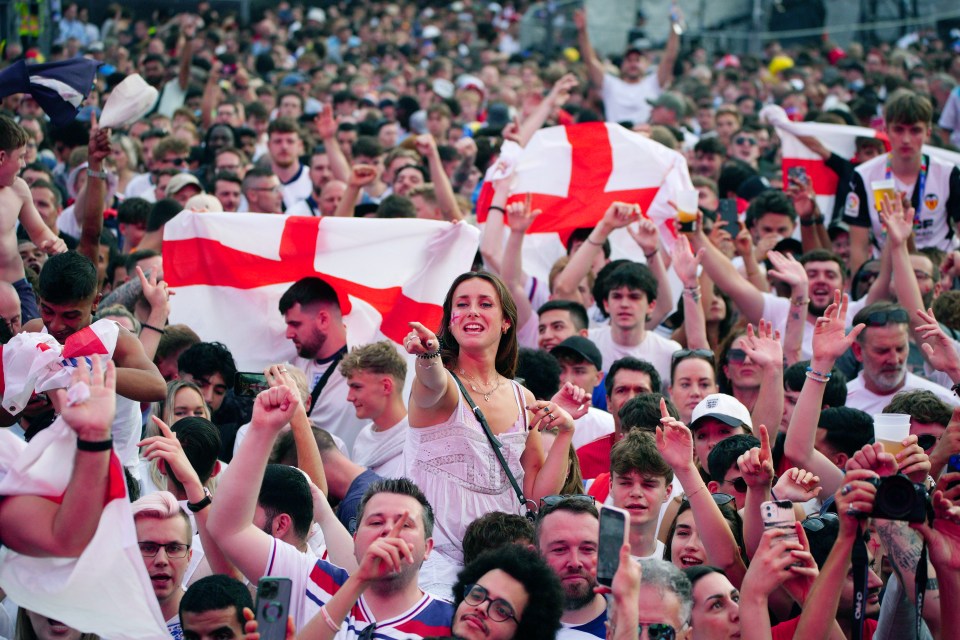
{"x":486,"y":394}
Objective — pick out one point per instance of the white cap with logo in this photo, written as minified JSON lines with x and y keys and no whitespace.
{"x":722,"y":407}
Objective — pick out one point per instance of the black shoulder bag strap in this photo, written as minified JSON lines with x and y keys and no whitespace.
{"x":861,"y":567}
{"x":322,"y":382}
{"x":921,"y":579}
{"x":495,"y":443}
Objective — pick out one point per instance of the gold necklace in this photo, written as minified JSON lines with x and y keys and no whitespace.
{"x":486,"y":394}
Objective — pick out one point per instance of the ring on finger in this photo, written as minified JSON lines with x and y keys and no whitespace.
{"x":846,"y":489}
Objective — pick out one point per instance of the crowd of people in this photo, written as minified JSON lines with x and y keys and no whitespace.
{"x":451,"y":485}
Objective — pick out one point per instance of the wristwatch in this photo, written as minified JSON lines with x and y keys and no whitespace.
{"x":203,"y":504}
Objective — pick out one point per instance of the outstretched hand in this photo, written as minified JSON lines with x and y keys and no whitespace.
{"x":674,"y":440}
{"x":519,"y":215}
{"x":274,"y":407}
{"x":90,"y":403}
{"x":830,"y":340}
{"x":756,"y":465}
{"x":572,"y":399}
{"x":936,"y":346}
{"x":763,"y":345}
{"x":685,"y":263}
{"x":420,"y":340}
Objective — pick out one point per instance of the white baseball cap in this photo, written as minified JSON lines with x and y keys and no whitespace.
{"x":722,"y":407}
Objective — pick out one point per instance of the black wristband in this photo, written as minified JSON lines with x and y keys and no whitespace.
{"x":428,"y":356}
{"x":811,"y":222}
{"x":94,"y":445}
{"x":494,"y":207}
{"x":144,"y":325}
{"x":203,"y":504}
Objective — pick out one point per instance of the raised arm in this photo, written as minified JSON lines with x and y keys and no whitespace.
{"x":943,"y":542}
{"x":669,"y":59}
{"x":647,"y":237}
{"x":675,"y":444}
{"x":813,"y":235}
{"x":360,"y":176}
{"x":544,"y":476}
{"x":519,"y":219}
{"x":743,"y":243}
{"x":433,"y":390}
{"x":756,"y":468}
{"x":211,"y":95}
{"x":327,"y":130}
{"x":231,"y":517}
{"x":618,"y":215}
{"x":37,"y":526}
{"x":158,"y":296}
{"x":764,"y":349}
{"x":308,"y":453}
{"x":137,"y":377}
{"x":491,"y":240}
{"x":685,"y":264}
{"x":747,"y":297}
{"x":897,"y":216}
{"x":90,"y":202}
{"x":446,"y":201}
{"x":594,"y":66}
{"x":558,"y":96}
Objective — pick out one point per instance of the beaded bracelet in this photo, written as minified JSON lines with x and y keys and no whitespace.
{"x":429,"y":356}
{"x":818,"y":376}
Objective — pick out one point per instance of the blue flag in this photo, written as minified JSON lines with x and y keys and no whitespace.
{"x":59,"y":87}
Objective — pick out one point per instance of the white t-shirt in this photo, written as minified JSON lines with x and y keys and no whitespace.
{"x":298,"y":188}
{"x":141,"y":186}
{"x":596,"y":423}
{"x":656,"y":555}
{"x":859,"y":397}
{"x":950,"y":116}
{"x":382,"y":451}
{"x":331,"y":412}
{"x":655,"y":349}
{"x":776,"y":310}
{"x":628,"y":100}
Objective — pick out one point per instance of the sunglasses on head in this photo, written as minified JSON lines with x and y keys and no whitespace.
{"x":722,"y":499}
{"x":883,"y":318}
{"x":736,"y":355}
{"x":683,"y":354}
{"x":745,"y":140}
{"x":657,"y":631}
{"x":817,"y":523}
{"x":554,"y":500}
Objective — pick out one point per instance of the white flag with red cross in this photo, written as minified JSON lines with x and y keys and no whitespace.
{"x":229,"y":271}
{"x":575,"y":172}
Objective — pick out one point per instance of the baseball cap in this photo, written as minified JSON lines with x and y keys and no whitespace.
{"x":670,"y":101}
{"x":316,"y":14}
{"x":722,"y":407}
{"x":181,"y":180}
{"x":582,"y":347}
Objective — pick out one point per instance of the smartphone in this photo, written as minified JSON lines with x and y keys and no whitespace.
{"x":779,"y":514}
{"x":953,"y":466}
{"x":613,"y":532}
{"x":249,"y":384}
{"x":727,"y":211}
{"x":273,"y":607}
{"x":799,"y":174}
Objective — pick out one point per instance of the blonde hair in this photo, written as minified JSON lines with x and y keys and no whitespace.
{"x":164,"y":409}
{"x":379,"y":357}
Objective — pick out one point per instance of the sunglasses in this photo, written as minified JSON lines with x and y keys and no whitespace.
{"x":927,"y":441}
{"x":745,"y":140}
{"x":883,"y":318}
{"x":818,"y":523}
{"x":736,"y":355}
{"x":178,"y":162}
{"x":657,"y":631}
{"x":739,"y":485}
{"x":683,"y":354}
{"x":554,"y":500}
{"x":723,"y":499}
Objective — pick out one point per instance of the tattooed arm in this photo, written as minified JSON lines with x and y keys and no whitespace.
{"x":903,"y":546}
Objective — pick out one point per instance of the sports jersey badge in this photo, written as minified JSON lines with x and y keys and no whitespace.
{"x":852,"y":206}
{"x":931,"y":201}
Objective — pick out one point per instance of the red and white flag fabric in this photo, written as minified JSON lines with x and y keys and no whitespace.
{"x":840,"y":139}
{"x":35,"y":362}
{"x":575,"y":172}
{"x":230,"y":269}
{"x":106,"y":590}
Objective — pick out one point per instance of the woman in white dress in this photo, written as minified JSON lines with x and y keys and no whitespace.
{"x":447,"y":453}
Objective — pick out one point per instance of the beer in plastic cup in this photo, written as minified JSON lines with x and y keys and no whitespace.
{"x":891,"y":429}
{"x":687,"y":201}
{"x":883,"y":188}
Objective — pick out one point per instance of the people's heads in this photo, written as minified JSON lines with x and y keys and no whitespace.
{"x":908,"y":118}
{"x":311,"y":311}
{"x":629,"y":377}
{"x":728,"y":120}
{"x":794,"y":377}
{"x":708,"y":157}
{"x":479,"y":311}
{"x":692,"y":378}
{"x":47,"y":200}
{"x":639,"y":478}
{"x":284,"y":505}
{"x":735,"y":368}
{"x":929,"y":415}
{"x":382,"y":506}
{"x":263,"y":191}
{"x":841,"y":432}
{"x":927,"y":272}
{"x":643,"y":412}
{"x":230,"y":160}
{"x":631,"y":296}
{"x":182,"y":187}
{"x":507,"y":593}
{"x":176,"y":339}
{"x":822,"y":537}
{"x":539,"y":372}
{"x":826,"y":272}
{"x":320,"y":171}
{"x":211,"y":366}
{"x":375,"y":374}
{"x":407,"y":178}
{"x":684,"y":546}
{"x":31,"y":625}
{"x":10,"y":308}
{"x":882,"y":346}
{"x":164,"y":535}
{"x":228,"y":189}
{"x":666,"y":597}
{"x":494,"y":530}
{"x":634,"y":64}
{"x":718,"y":416}
{"x":68,"y":294}
{"x":771,"y":213}
{"x":13,"y":149}
{"x":212,"y":608}
{"x":580,"y":362}
{"x":330,"y":197}
{"x":745,"y":145}
{"x":721,"y":464}
{"x":171,"y":153}
{"x":283,"y":142}
{"x":558,"y":320}
{"x":184,"y":400}
{"x":716,"y":604}
{"x":567,"y":535}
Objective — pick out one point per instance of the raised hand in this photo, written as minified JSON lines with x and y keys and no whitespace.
{"x":763,"y":346}
{"x":803,"y":198}
{"x":511,"y":132}
{"x":156,"y":293}
{"x":947,"y":445}
{"x":913,"y":460}
{"x":324,"y":122}
{"x":787,"y":270}
{"x":943,"y":539}
{"x":426,"y":146}
{"x":386,"y":555}
{"x":674,"y":440}
{"x":167,"y":447}
{"x":756,"y":465}
{"x":251,"y":628}
{"x":560,"y":92}
{"x":645,"y":235}
{"x":872,"y":457}
{"x":764,"y":246}
{"x":90,"y":403}
{"x":830,"y":340}
{"x":773,"y":563}
{"x":274,"y":407}
{"x":420,"y":340}
{"x":797,"y":485}
{"x":519,"y":215}
{"x":548,"y":414}
{"x":685,"y":263}
{"x":938,"y":348}
{"x":743,"y":241}
{"x":619,"y":215}
{"x":466,"y":147}
{"x":98,"y":145}
{"x":362,"y":174}
{"x":580,"y":19}
{"x":855,"y":499}
{"x":572,"y":399}
{"x":897,"y":217}
{"x":53,"y":247}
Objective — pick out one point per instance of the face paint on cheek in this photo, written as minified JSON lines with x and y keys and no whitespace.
{"x":457,"y":318}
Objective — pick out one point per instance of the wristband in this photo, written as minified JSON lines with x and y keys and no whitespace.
{"x":326,"y":618}
{"x":811,"y":222}
{"x":94,"y":445}
{"x":96,"y":174}
{"x":203,"y":504}
{"x":651,"y":254}
{"x":799,"y":301}
{"x":144,"y":325}
{"x":594,"y":242}
{"x":492,"y":207}
{"x":429,"y":356}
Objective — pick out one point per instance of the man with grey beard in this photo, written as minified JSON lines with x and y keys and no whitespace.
{"x":882,"y":349}
{"x":567,"y":536}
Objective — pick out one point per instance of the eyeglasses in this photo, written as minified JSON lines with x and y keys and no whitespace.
{"x":736,"y":355}
{"x":177,"y":162}
{"x":818,"y":523}
{"x":173,"y":549}
{"x":367,"y":633}
{"x":927,"y":441}
{"x":499,"y":609}
{"x":683,"y":354}
{"x":745,"y":140}
{"x":739,"y":485}
{"x":883,"y":318}
{"x":657,"y":631}
{"x":554,"y":500}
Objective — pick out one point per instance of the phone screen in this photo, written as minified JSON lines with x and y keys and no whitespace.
{"x":249,"y":384}
{"x":613,"y":524}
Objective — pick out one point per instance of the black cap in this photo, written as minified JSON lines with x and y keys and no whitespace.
{"x":581,"y":347}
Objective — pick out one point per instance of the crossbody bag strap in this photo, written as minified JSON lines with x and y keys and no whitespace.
{"x":322,"y":382}
{"x":494,"y":442}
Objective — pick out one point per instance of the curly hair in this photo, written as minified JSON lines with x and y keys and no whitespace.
{"x":540,"y":619}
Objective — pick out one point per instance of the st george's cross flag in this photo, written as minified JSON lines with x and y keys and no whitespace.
{"x":105,"y":591}
{"x":575,"y":172}
{"x":58,"y":87}
{"x":230,"y":269}
{"x":840,"y":139}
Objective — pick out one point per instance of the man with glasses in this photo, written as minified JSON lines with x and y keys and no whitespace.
{"x":263,"y":191}
{"x":746,"y":146}
{"x":164,"y":535}
{"x":882,"y":349}
{"x":169,"y":153}
{"x":567,"y":535}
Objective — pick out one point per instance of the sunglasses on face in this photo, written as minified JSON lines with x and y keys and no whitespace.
{"x":657,"y":631}
{"x":883,"y":318}
{"x":736,"y":355}
{"x":927,"y":441}
{"x":722,"y":499}
{"x":745,"y":140}
{"x":739,"y":485}
{"x":177,"y":162}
